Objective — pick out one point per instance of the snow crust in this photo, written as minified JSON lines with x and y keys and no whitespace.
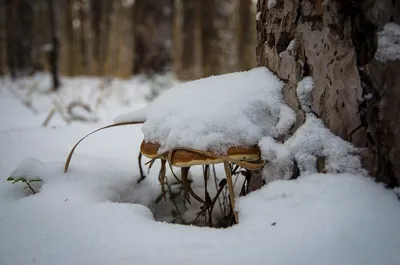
{"x":217,"y":112}
{"x":388,"y":43}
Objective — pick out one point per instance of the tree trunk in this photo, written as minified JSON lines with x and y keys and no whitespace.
{"x":335,"y":42}
{"x":86,"y":36}
{"x":3,"y":38}
{"x":246,"y":35}
{"x":152,"y":21}
{"x":187,"y":41}
{"x":55,"y":41}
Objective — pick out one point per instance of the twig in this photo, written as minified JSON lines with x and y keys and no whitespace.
{"x":23,"y":101}
{"x":173,"y":201}
{"x":142,"y":175}
{"x":216,"y":187}
{"x":60,"y":111}
{"x":48,"y":117}
{"x":29,"y":186}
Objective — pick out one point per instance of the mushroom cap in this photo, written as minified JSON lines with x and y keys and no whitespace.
{"x":187,"y":157}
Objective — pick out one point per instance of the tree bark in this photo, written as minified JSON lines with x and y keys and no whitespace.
{"x":355,"y":94}
{"x":55,"y":41}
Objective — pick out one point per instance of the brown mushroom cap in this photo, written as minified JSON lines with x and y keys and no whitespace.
{"x":186,"y":158}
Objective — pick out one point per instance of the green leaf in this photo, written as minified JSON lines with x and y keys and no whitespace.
{"x":34,"y":180}
{"x":18,"y":180}
{"x":10,"y":179}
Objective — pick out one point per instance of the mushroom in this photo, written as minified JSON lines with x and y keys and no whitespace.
{"x":186,"y":157}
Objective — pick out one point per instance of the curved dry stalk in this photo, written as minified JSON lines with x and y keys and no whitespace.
{"x":231,"y":189}
{"x":68,"y":161}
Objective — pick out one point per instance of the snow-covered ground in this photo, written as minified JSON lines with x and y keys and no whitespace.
{"x":97,"y":214}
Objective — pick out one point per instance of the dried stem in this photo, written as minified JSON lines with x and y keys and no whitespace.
{"x":29,"y":186}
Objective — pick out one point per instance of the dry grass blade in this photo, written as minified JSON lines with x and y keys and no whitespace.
{"x":68,"y":161}
{"x":231,"y":190}
{"x":169,"y":158}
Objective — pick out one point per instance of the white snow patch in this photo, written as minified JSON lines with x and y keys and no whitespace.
{"x":368,"y":96}
{"x":388,"y":43}
{"x":304,"y":89}
{"x":313,"y":140}
{"x":287,"y":118}
{"x":258,"y":15}
{"x":138,"y":115}
{"x":289,"y":48}
{"x":291,"y":45}
{"x":217,"y":112}
{"x":31,"y":169}
{"x":279,"y":157}
{"x":271,"y":4}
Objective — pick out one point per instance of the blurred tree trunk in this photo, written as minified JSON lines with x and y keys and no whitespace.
{"x":187,"y":39}
{"x":228,"y":36}
{"x":152,"y":31}
{"x":246,"y":35}
{"x":55,"y":42}
{"x":335,"y":42}
{"x":3,"y":38}
{"x":210,"y":37}
{"x":20,"y":24}
{"x":72,"y":53}
{"x":12,"y":13}
{"x":86,"y":36}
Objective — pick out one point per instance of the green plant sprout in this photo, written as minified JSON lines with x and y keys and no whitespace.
{"x":24,"y":180}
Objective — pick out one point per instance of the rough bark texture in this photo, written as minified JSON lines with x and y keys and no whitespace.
{"x":335,"y":43}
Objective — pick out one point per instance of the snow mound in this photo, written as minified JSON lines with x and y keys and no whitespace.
{"x":388,"y":43}
{"x":217,"y":112}
{"x":31,"y":169}
{"x":311,"y":141}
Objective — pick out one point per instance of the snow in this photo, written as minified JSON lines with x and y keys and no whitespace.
{"x":304,"y":89}
{"x":271,"y":4}
{"x":388,"y":43}
{"x":210,"y":113}
{"x":98,"y":214}
{"x":258,"y":15}
{"x":310,"y":142}
{"x":289,"y":48}
{"x":279,"y":157}
{"x":313,"y":140}
{"x":319,"y":219}
{"x":291,"y":45}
